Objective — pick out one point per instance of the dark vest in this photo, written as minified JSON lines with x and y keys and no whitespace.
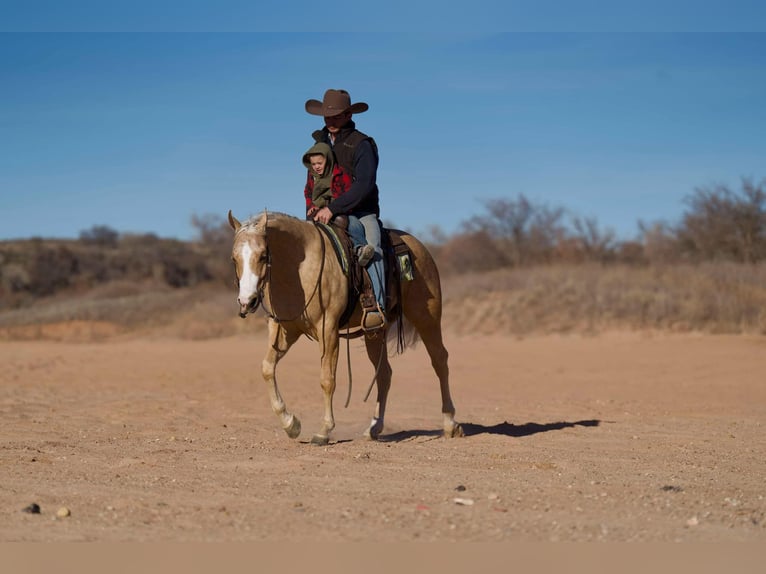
{"x":345,"y":145}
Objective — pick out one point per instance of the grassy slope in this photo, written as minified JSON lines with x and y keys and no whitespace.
{"x":713,"y":298}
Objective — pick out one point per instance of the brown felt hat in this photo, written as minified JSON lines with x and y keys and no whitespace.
{"x":335,"y":102}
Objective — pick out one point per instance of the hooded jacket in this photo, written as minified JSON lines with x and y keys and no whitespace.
{"x":322,"y":189}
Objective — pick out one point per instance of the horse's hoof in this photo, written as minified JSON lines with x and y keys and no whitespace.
{"x":294,"y":428}
{"x":373,"y":432}
{"x":370,"y":435}
{"x":455,"y":432}
{"x":320,"y":440}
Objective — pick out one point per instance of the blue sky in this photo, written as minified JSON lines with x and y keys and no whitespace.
{"x":141,"y":130}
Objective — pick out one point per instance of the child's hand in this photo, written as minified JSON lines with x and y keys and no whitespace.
{"x":323,"y":215}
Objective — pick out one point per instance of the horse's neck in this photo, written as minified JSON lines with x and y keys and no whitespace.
{"x":296,"y":267}
{"x":290,"y":241}
{"x":297,"y":230}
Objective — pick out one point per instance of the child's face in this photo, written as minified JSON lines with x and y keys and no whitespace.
{"x":317,"y":163}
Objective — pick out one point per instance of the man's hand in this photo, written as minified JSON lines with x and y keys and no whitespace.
{"x":324,"y":215}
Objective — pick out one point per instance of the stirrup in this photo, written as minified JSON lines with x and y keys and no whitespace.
{"x":373,"y":319}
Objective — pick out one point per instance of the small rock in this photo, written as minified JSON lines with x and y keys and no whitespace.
{"x":671,"y":488}
{"x":63,"y":512}
{"x":460,"y":488}
{"x":493,"y":496}
{"x":33,"y":508}
{"x":693,"y":521}
{"x":463,"y":501}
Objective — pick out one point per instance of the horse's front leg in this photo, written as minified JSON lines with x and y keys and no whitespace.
{"x":329,"y":349}
{"x":280,"y":341}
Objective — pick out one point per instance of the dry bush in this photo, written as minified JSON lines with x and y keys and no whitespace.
{"x":722,"y":224}
{"x":525,"y":233}
{"x":33,"y":269}
{"x":660,"y":243}
{"x":518,"y":233}
{"x":720,"y":298}
{"x":213,"y":239}
{"x":469,"y":253}
{"x":595,"y":243}
{"x":100,"y":235}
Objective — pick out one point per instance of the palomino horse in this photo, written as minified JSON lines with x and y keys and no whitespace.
{"x":290,"y":266}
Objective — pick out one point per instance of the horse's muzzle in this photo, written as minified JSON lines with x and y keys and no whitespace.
{"x":250,"y":307}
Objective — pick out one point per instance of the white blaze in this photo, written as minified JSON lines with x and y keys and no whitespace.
{"x":248,"y":282}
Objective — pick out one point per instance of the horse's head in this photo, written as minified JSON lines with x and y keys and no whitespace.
{"x":250,"y":255}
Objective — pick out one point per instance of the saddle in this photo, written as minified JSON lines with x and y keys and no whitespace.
{"x":397,"y":263}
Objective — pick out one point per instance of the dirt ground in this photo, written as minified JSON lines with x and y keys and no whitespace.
{"x":615,"y":437}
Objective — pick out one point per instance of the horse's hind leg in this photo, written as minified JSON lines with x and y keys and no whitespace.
{"x":280,"y":341}
{"x":378,"y":355}
{"x":432,"y":339}
{"x":428,"y":324}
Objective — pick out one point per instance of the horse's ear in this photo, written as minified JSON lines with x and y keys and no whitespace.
{"x":263,"y":223}
{"x":234,"y":222}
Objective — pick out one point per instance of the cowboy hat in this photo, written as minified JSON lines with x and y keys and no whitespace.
{"x":335,"y":102}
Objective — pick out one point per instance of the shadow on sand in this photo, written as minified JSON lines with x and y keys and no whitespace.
{"x":505,"y":429}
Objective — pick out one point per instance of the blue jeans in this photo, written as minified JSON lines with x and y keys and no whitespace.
{"x":372,"y":233}
{"x":356,"y":230}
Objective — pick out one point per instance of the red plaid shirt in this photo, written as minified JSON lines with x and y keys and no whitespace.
{"x":341,"y":182}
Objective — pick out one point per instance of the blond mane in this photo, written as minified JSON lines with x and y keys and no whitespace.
{"x":258,"y":222}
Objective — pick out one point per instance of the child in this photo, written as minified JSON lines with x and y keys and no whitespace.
{"x":325,"y":181}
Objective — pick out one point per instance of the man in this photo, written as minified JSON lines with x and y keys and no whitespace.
{"x":357,"y":154}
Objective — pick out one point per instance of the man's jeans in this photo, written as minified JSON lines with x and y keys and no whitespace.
{"x":366,"y":229}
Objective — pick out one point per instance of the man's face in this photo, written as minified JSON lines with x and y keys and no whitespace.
{"x":334,"y":123}
{"x":317,"y":163}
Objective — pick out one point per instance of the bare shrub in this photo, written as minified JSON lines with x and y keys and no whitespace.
{"x":470,"y":252}
{"x":213,"y":237}
{"x":15,"y":278}
{"x":525,"y":232}
{"x":102,"y":235}
{"x":630,"y":253}
{"x":724,"y":224}
{"x":51,"y":269}
{"x":595,"y":243}
{"x":660,"y":242}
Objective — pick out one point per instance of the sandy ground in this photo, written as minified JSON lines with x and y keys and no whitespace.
{"x":617,"y":437}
